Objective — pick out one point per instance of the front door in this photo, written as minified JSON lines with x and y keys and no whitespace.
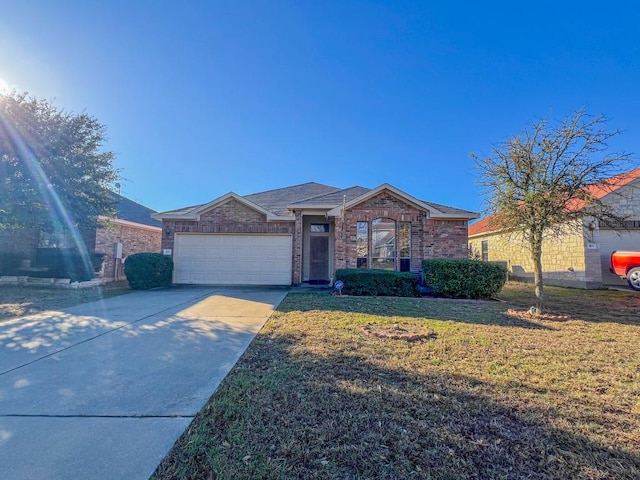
{"x":319,"y":265}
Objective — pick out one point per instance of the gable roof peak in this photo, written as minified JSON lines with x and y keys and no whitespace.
{"x":278,"y":200}
{"x":446,"y":212}
{"x":292,"y":187}
{"x":194,"y":213}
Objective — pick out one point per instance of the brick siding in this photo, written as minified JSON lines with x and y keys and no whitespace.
{"x":297,"y":249}
{"x":430,"y":238}
{"x":231,"y":217}
{"x":133,"y":239}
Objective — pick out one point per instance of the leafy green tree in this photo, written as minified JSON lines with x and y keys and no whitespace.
{"x":542,"y":183}
{"x":53,"y":172}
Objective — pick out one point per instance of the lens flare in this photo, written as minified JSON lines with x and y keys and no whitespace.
{"x":57,"y":210}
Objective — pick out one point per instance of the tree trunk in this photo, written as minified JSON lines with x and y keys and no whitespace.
{"x":536,"y":252}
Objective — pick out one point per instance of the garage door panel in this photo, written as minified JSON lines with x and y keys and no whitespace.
{"x":232,"y":259}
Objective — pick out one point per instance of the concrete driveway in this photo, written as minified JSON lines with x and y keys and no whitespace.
{"x":103,"y":390}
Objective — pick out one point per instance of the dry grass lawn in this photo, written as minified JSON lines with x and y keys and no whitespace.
{"x":485,"y":396}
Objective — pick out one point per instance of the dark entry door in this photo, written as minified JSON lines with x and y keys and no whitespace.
{"x":319,"y":268}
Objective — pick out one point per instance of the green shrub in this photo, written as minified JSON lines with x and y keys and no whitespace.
{"x":148,"y":270}
{"x":463,"y":278}
{"x":9,"y":263}
{"x":359,"y":281}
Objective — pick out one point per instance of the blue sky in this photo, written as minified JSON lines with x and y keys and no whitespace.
{"x":205,"y":97}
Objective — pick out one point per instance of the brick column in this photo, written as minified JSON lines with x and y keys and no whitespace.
{"x":297,"y":249}
{"x":339,"y":236}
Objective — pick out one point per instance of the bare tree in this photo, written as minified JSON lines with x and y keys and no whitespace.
{"x":543,"y":182}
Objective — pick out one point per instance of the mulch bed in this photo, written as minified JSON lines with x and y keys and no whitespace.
{"x":527,"y":315}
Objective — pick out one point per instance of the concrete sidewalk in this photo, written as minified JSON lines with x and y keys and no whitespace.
{"x":103,"y":390}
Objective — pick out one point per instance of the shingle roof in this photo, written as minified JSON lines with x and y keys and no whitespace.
{"x":335,"y":198}
{"x":183,"y":210}
{"x":134,"y":212}
{"x":449,"y":210}
{"x":277,"y":200}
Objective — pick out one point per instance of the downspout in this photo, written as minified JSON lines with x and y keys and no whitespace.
{"x":344,"y":207}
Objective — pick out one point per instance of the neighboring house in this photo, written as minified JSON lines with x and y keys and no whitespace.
{"x":304,"y":233}
{"x":579,"y":258}
{"x":132,"y":230}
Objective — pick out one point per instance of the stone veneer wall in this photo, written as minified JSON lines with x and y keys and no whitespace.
{"x":566,"y":261}
{"x":134,"y":240}
{"x":430,"y":238}
{"x":569,"y":251}
{"x":626,"y":200}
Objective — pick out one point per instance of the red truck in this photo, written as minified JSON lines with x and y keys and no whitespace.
{"x":627,"y":266}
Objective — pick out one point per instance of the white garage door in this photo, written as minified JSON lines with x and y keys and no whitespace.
{"x":216,"y":259}
{"x":610,"y":241}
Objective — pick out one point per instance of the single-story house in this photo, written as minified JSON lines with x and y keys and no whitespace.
{"x":304,"y":233}
{"x":581,"y":257}
{"x":132,"y":230}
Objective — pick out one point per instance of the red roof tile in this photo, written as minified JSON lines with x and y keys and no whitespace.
{"x":597,"y":191}
{"x":483,"y":225}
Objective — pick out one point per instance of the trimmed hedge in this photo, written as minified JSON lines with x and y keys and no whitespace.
{"x":359,"y":281}
{"x":148,"y":270}
{"x":463,"y":278}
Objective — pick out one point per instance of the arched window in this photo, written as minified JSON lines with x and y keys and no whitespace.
{"x":383,"y":244}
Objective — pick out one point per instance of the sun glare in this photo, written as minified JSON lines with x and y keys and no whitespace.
{"x":4,"y":86}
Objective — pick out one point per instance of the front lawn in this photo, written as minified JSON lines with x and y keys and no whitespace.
{"x":483,"y":396}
